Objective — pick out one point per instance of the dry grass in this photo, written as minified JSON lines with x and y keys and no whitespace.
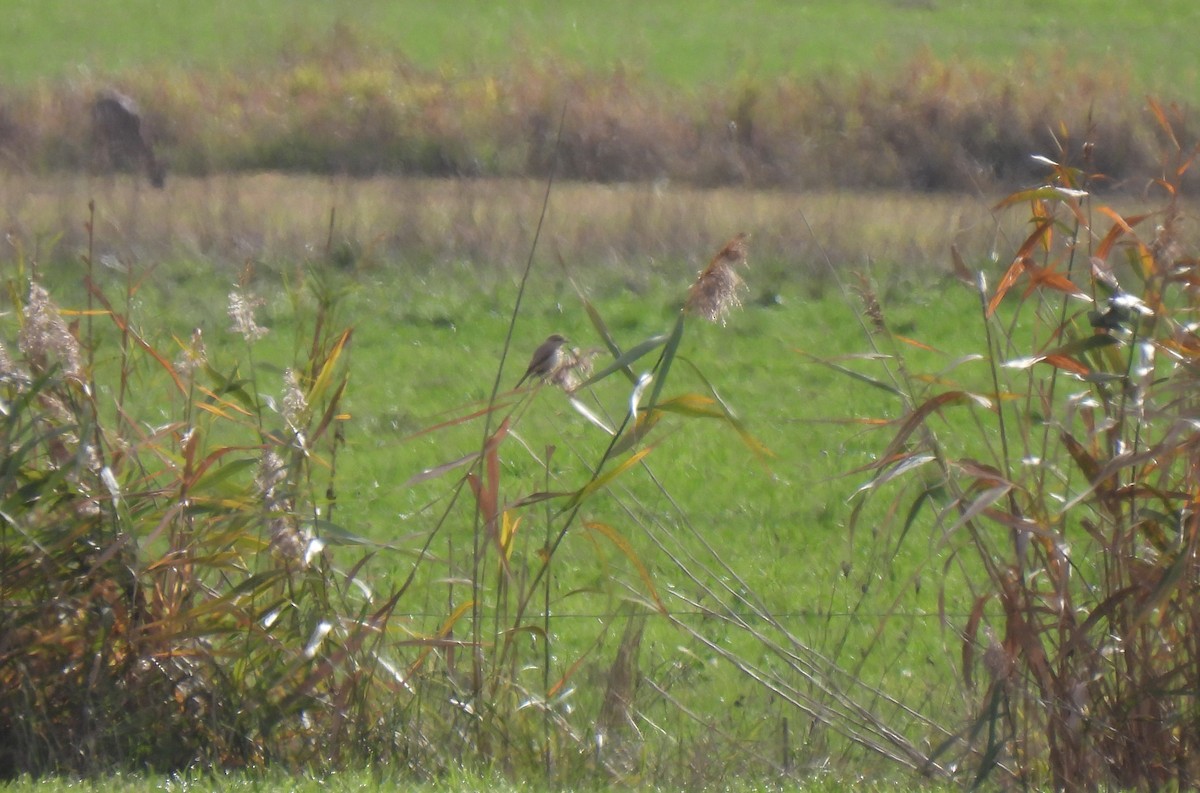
{"x":486,"y":222}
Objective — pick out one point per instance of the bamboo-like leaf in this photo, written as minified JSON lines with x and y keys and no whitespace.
{"x":231,"y":385}
{"x":439,"y":470}
{"x":696,"y":405}
{"x":454,"y":422}
{"x":871,"y":381}
{"x":124,"y":326}
{"x":336,"y":534}
{"x":982,"y":473}
{"x":920,"y":414}
{"x":590,"y":415}
{"x":225,"y":472}
{"x":626,"y":548}
{"x":907,"y":463}
{"x":980,"y":504}
{"x":251,"y":585}
{"x":1163,"y":122}
{"x":1067,"y":364}
{"x":1020,"y":261}
{"x":532,"y":630}
{"x":444,"y":631}
{"x":211,"y":459}
{"x":1006,"y":282}
{"x":331,"y":412}
{"x":602,"y":481}
{"x":1087,"y":464}
{"x":1042,"y":193}
{"x":568,"y":674}
{"x":668,"y":358}
{"x":1051,"y":279}
{"x":507,"y":531}
{"x":487,"y":490}
{"x":624,"y":360}
{"x":726,"y":413}
{"x":970,"y":631}
{"x":614,"y":349}
{"x":914,"y":343}
{"x":1062,"y":357}
{"x":1184,"y":561}
{"x":1092,"y":470}
{"x":322,"y":379}
{"x":635,"y":434}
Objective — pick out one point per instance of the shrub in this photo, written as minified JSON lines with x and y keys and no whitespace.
{"x":168,"y":596}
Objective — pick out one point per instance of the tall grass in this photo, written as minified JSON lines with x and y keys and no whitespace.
{"x":178,"y":591}
{"x":168,"y":596}
{"x":1058,"y":490}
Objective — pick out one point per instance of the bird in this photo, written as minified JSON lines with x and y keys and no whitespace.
{"x":547,"y":358}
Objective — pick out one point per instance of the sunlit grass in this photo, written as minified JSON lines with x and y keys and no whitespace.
{"x":702,"y":43}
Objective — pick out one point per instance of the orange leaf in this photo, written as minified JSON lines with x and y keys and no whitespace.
{"x":1157,"y":110}
{"x":915,"y":343}
{"x":914,"y":419}
{"x":1006,"y":283}
{"x":1066,"y":364}
{"x":1052,"y":279}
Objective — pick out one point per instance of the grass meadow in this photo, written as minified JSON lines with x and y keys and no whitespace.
{"x":708,"y":44}
{"x":913,"y":511}
{"x":428,"y":333}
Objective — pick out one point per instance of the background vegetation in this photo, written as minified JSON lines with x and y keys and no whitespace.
{"x":783,"y":103}
{"x":321,"y":532}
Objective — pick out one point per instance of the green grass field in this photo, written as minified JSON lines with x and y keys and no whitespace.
{"x":750,"y":552}
{"x":708,"y":42}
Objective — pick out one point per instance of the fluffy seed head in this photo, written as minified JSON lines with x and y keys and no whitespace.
{"x":241,"y":311}
{"x":45,"y":338}
{"x":716,"y":290}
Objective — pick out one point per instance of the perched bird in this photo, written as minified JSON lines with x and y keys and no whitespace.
{"x":547,"y":359}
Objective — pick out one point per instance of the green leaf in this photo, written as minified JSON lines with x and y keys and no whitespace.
{"x":623,"y":361}
{"x":862,"y":378}
{"x":668,"y":357}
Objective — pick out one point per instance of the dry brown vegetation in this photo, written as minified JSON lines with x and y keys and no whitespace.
{"x":345,"y":109}
{"x":427,"y":222}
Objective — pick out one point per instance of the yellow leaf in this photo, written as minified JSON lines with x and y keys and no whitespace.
{"x":508,"y":530}
{"x":624,"y":547}
{"x":603,"y":480}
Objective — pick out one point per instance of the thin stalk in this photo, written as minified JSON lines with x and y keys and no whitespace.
{"x":477,"y":536}
{"x":547,"y":655}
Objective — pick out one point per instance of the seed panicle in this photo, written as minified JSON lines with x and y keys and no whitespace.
{"x":716,"y":290}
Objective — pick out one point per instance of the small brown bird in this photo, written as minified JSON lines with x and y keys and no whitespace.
{"x":547,"y":358}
